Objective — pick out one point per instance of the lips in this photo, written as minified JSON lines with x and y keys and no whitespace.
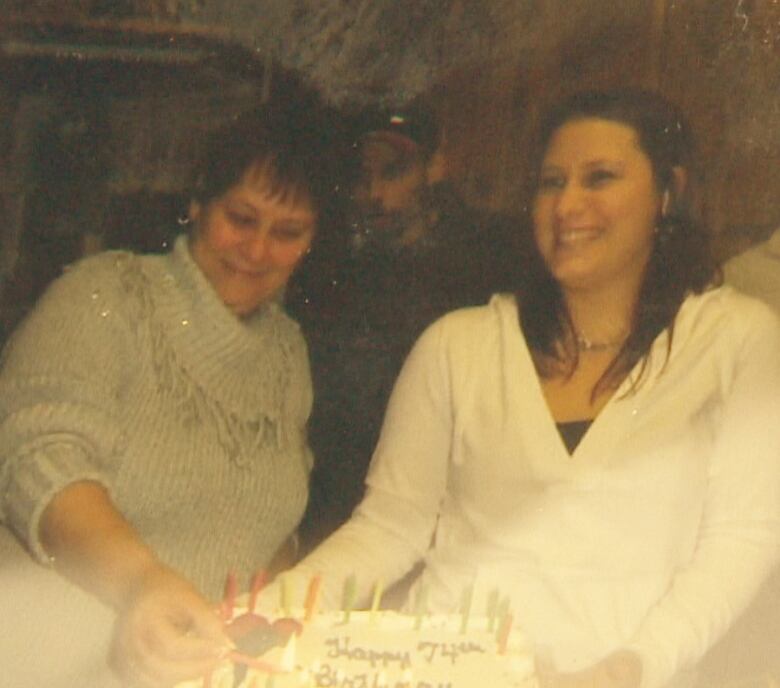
{"x":574,"y":236}
{"x":252,"y":273}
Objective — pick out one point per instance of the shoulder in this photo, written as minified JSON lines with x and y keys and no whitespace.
{"x":87,"y":298}
{"x":725,"y":304}
{"x":94,"y":276}
{"x":476,"y":328}
{"x":83,"y":312}
{"x":726,"y":319}
{"x":493,"y":314}
{"x":87,"y":284}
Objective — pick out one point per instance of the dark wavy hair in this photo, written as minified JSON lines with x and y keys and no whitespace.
{"x":681,"y":261}
{"x":289,"y":138}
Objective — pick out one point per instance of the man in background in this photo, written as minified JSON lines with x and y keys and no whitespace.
{"x":411,"y":250}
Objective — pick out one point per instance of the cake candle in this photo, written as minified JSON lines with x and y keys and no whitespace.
{"x":287,"y":662}
{"x":503,"y":633}
{"x":492,"y":609}
{"x":259,"y":581}
{"x":502,"y":609}
{"x":465,"y":607}
{"x":312,"y":597}
{"x":285,"y":594}
{"x":348,"y":598}
{"x":375,"y":601}
{"x":420,"y":605}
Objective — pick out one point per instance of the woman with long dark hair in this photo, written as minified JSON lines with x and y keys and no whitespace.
{"x":602,"y":448}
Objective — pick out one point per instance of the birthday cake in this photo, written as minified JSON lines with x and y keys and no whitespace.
{"x":373,"y":649}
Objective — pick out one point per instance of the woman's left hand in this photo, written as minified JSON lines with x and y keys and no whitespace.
{"x":621,"y":669}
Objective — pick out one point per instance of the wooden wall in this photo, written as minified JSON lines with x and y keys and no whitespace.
{"x":718,"y":59}
{"x":124,"y":141}
{"x":96,"y":151}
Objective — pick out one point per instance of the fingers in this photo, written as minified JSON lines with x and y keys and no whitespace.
{"x":153,"y":667}
{"x":161,"y":657}
{"x":208,"y":625}
{"x":167,"y":634}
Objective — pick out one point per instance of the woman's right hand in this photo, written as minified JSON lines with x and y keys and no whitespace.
{"x":166,"y":633}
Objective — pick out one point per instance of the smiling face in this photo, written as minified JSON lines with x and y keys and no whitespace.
{"x":596,"y":206}
{"x":248,"y":241}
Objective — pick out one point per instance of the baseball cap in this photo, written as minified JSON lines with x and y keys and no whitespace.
{"x":413,"y":126}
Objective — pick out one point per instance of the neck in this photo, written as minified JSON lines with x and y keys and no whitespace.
{"x":602,"y":319}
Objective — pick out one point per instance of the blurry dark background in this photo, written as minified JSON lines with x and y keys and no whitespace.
{"x":103,"y":104}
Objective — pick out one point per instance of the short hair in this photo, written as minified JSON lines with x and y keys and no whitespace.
{"x":681,"y":261}
{"x":290,"y":138}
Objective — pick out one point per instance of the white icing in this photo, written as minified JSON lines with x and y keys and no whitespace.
{"x":385,"y":650}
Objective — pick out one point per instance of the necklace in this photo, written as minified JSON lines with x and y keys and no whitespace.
{"x":589,"y":345}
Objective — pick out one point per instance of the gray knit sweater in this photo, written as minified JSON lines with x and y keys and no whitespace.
{"x":132,"y":372}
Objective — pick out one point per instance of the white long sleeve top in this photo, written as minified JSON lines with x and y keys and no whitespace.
{"x":652,"y":535}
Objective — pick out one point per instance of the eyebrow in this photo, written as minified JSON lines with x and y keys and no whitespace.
{"x":244,"y":205}
{"x":598,"y":162}
{"x":611,"y":162}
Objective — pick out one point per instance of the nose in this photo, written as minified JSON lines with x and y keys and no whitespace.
{"x":257,"y":246}
{"x":570,"y":200}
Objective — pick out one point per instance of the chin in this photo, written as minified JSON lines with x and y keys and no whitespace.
{"x":572,"y":273}
{"x":244,"y":308}
{"x":246,"y":301}
{"x":241,"y":308}
{"x":576,"y":280}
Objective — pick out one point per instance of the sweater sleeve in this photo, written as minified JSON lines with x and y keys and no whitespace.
{"x":739,"y":533}
{"x":392,"y":527}
{"x":60,"y":378}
